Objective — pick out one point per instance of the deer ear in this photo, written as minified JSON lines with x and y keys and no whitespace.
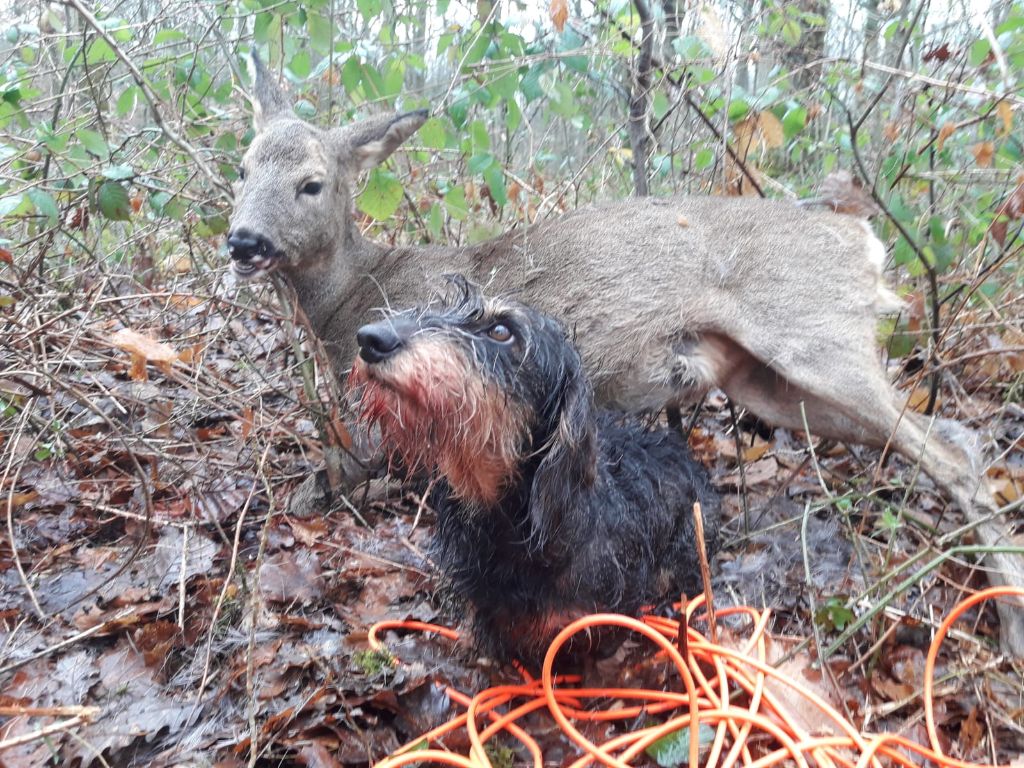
{"x":269,"y":101}
{"x":372,"y":141}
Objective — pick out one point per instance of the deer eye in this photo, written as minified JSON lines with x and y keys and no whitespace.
{"x":241,"y":173}
{"x":312,"y":188}
{"x":499,"y":332}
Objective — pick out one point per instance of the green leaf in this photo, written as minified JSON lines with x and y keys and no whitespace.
{"x":369,"y":8}
{"x":113,"y":202}
{"x":433,"y":134}
{"x":738,"y":108}
{"x":118,"y":172}
{"x":495,"y":178}
{"x":435,"y":220}
{"x":480,"y":163}
{"x":320,"y":33}
{"x":455,"y":203}
{"x":211,"y":224}
{"x":10,"y":204}
{"x":126,"y":101}
{"x":93,"y":142}
{"x":99,"y":52}
{"x":45,"y":205}
{"x":351,"y":75}
{"x":979,"y":52}
{"x":673,"y":750}
{"x":659,"y":105}
{"x":480,"y":137}
{"x":794,"y":121}
{"x":300,"y":65}
{"x":168,"y":36}
{"x":382,"y":195}
{"x":703,"y":159}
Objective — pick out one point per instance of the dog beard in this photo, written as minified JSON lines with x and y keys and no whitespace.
{"x":436,"y":414}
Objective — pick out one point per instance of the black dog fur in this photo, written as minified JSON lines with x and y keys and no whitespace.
{"x":588,"y":510}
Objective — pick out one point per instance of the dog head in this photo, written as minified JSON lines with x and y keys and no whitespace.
{"x":485,"y":392}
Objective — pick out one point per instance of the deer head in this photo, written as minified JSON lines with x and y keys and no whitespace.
{"x":293,"y":200}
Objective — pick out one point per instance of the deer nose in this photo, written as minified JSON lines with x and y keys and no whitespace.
{"x":378,"y":341}
{"x":244,"y":245}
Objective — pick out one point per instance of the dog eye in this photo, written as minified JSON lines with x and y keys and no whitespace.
{"x":499,"y":332}
{"x":312,"y":188}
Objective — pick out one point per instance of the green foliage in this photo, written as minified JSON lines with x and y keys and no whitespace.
{"x":522,"y":115}
{"x":673,"y":749}
{"x":833,"y":614}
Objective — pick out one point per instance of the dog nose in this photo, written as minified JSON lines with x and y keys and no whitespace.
{"x":378,"y":341}
{"x":244,"y":245}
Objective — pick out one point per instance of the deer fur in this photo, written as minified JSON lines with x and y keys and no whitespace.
{"x":775,"y":304}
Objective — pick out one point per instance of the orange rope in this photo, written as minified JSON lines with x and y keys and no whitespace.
{"x":700,"y":701}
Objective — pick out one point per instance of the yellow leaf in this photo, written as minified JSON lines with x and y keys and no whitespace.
{"x":983,"y":153}
{"x":944,"y":133}
{"x":1005,"y":112}
{"x":559,"y":13}
{"x":771,"y":130}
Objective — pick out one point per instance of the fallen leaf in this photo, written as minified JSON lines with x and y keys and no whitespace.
{"x":287,"y":577}
{"x":918,"y":399}
{"x":143,"y":349}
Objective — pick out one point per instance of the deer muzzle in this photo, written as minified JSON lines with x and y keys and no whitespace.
{"x":251,"y":253}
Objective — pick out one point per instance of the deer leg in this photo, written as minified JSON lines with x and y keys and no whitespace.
{"x":859,"y":405}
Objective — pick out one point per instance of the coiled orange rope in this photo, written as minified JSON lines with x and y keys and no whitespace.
{"x":702,"y":700}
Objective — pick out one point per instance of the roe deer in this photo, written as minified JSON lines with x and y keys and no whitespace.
{"x":773,"y":303}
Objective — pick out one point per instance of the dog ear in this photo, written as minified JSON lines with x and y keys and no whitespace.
{"x":570,"y":463}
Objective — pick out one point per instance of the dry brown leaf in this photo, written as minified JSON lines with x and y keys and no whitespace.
{"x":559,"y":13}
{"x":1005,"y":112}
{"x":144,"y":349}
{"x":891,"y":132}
{"x":770,"y":127}
{"x":151,"y":349}
{"x":945,"y":131}
{"x":918,"y":400}
{"x":755,"y":451}
{"x":1005,"y":491}
{"x":6,"y":257}
{"x":983,"y":153}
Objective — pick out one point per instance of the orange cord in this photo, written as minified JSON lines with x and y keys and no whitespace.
{"x":702,"y":701}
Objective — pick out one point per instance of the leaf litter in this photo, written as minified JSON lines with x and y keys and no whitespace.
{"x":166,"y":583}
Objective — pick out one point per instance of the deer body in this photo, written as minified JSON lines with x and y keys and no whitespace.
{"x":667,"y":298}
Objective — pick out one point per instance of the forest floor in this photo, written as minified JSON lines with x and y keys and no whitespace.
{"x":159,"y":605}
